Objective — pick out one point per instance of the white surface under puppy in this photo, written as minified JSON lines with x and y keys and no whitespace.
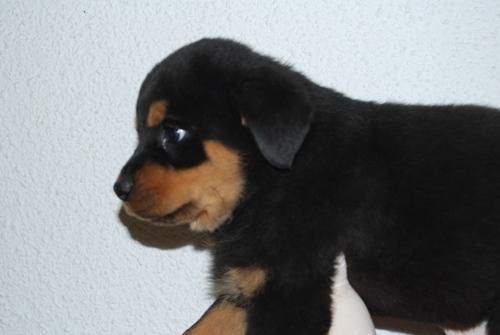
{"x":349,"y":313}
{"x":479,"y":330}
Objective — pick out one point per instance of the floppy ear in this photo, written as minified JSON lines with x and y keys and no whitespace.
{"x":276,"y":109}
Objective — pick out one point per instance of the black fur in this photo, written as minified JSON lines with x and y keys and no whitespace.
{"x":410,"y":194}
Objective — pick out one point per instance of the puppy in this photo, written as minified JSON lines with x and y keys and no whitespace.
{"x":288,"y":175}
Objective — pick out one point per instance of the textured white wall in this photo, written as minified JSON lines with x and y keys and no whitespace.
{"x":70,"y":71}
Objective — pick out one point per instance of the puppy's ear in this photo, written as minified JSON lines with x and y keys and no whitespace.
{"x":276,"y":109}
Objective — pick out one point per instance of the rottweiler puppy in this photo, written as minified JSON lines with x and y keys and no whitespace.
{"x":288,"y":175}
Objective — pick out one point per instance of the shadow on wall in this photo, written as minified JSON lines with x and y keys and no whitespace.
{"x":168,"y":238}
{"x":165,"y":238}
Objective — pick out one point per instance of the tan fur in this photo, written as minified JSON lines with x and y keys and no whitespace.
{"x":242,"y":281}
{"x":223,"y":319}
{"x":157,"y":113}
{"x":203,"y":196}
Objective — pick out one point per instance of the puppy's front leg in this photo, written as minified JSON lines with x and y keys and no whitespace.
{"x":286,"y":308}
{"x":222,"y":318}
{"x":314,"y":307}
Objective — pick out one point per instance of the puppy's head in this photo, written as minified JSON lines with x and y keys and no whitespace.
{"x":203,"y":114}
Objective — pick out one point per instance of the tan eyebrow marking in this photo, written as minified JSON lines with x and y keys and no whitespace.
{"x":157,"y":113}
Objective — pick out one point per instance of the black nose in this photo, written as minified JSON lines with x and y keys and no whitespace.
{"x":123,"y":187}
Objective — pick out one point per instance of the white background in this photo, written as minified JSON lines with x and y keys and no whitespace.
{"x":69,"y":76}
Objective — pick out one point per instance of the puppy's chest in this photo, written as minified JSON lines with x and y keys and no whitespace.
{"x":241,"y":283}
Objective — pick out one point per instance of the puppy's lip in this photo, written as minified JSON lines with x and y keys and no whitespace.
{"x":133,"y":214}
{"x":168,"y":219}
{"x":185,"y":214}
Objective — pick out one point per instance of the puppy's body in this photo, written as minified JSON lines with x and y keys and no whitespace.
{"x":410,"y":194}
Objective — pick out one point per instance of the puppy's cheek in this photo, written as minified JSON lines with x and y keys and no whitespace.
{"x":221,"y":184}
{"x":214,"y":211}
{"x":204,"y":196}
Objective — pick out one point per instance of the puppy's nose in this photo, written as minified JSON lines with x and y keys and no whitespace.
{"x":123,"y":187}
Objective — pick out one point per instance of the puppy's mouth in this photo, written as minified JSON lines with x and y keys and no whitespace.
{"x":185,"y":214}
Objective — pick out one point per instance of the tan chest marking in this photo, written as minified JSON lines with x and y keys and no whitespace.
{"x":246,"y":282}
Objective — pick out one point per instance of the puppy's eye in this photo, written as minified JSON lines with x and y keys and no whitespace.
{"x":174,"y":135}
